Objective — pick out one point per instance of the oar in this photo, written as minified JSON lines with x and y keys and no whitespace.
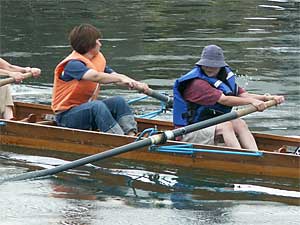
{"x":156,"y":139}
{"x":154,"y":94}
{"x":167,"y":99}
{"x":11,"y":80}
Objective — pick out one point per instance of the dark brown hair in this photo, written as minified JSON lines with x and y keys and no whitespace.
{"x":83,"y":38}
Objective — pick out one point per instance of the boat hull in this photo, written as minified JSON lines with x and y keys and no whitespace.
{"x":48,"y":137}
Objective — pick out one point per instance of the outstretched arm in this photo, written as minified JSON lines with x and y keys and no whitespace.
{"x":115,"y":78}
{"x":238,"y":100}
{"x":266,"y":97}
{"x":16,"y":72}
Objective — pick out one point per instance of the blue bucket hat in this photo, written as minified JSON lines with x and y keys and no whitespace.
{"x":212,"y":56}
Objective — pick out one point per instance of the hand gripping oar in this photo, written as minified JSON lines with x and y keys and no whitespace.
{"x":11,"y":80}
{"x":156,"y":139}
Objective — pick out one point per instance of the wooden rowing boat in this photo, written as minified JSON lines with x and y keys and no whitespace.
{"x":44,"y":134}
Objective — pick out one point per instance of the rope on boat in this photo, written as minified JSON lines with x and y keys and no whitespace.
{"x":148,"y":131}
{"x":132,"y":101}
{"x":190,"y":150}
{"x":163,"y":107}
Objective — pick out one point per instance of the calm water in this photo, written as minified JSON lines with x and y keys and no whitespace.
{"x":154,"y":41}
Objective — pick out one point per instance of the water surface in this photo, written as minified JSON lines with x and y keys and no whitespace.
{"x":156,"y":42}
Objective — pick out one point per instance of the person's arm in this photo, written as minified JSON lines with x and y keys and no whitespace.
{"x":76,"y":69}
{"x":245,"y":98}
{"x":115,"y":78}
{"x":18,"y":76}
{"x":255,"y":96}
{"x":266,"y":97}
{"x":201,"y":92}
{"x":4,"y":73}
{"x":16,"y":71}
{"x":13,"y":68}
{"x":237,"y":100}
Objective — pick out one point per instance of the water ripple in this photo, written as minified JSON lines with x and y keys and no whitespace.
{"x":260,"y":18}
{"x":272,"y":7}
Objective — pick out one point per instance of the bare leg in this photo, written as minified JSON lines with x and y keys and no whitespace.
{"x":242,"y":131}
{"x":8,"y":113}
{"x":227,"y":131}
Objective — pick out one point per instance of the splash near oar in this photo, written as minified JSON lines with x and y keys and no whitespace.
{"x":156,"y":139}
{"x":11,"y":80}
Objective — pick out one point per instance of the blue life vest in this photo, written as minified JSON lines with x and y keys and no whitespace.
{"x":185,"y":112}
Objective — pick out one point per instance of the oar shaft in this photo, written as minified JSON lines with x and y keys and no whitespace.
{"x":11,"y":80}
{"x":204,"y":124}
{"x":168,"y":100}
{"x":251,"y":108}
{"x":83,"y":161}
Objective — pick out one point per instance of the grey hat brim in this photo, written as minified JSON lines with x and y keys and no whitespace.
{"x":211,"y":63}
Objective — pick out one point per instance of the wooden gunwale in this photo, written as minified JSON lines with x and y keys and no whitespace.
{"x":266,"y":142}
